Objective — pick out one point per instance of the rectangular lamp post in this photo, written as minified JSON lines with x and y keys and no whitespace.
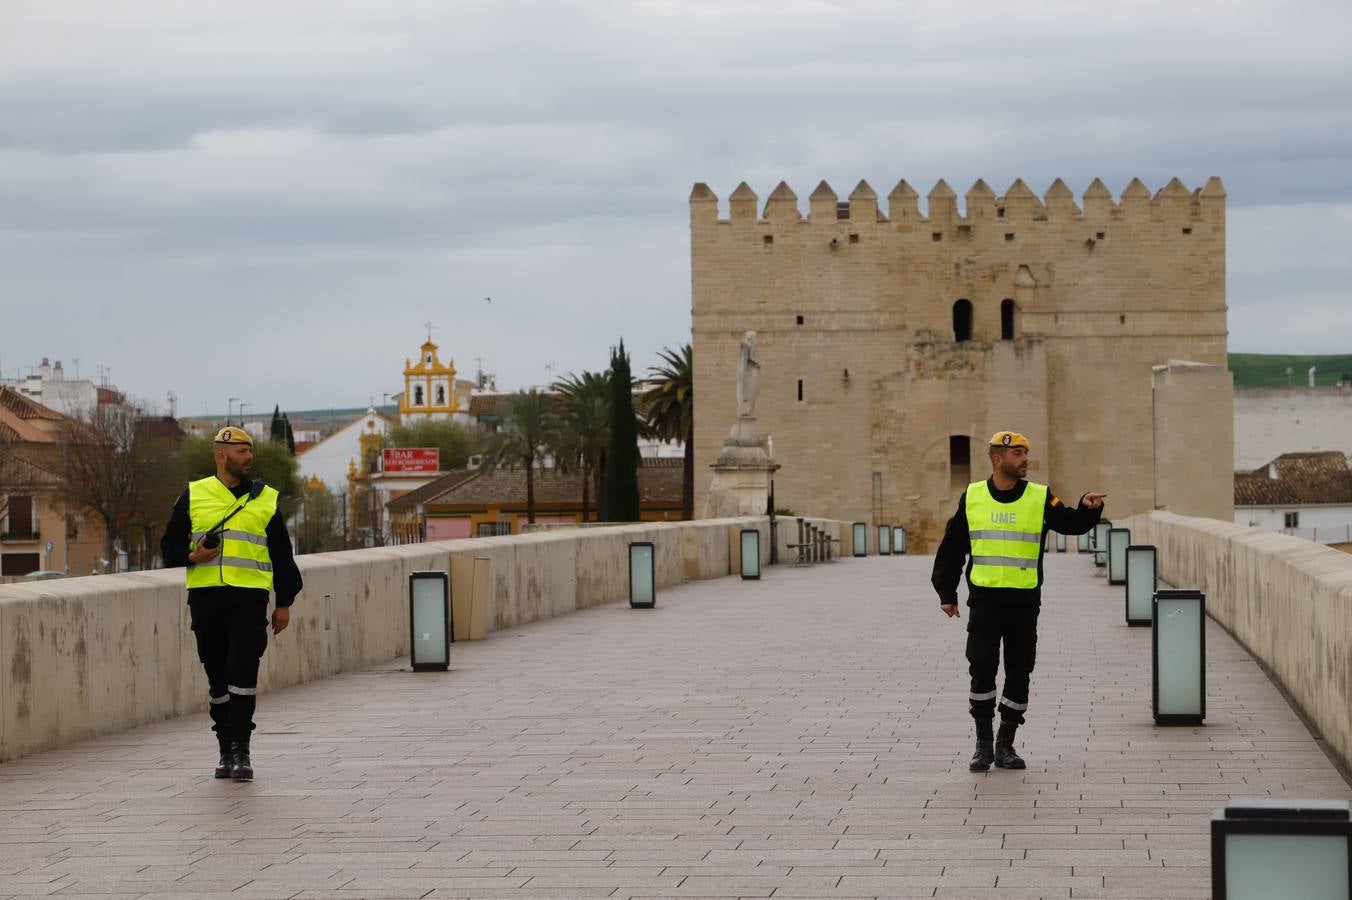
{"x":1178,"y":648}
{"x":1272,"y":847}
{"x":860,"y":541}
{"x":429,"y":621}
{"x":751,"y":561}
{"x":642,"y":576}
{"x":899,"y":540}
{"x":1082,"y":542}
{"x":1060,"y":543}
{"x":884,"y":540}
{"x":1142,"y":581}
{"x":1100,"y":542}
{"x":1118,"y":541}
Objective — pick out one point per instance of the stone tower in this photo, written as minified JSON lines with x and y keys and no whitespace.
{"x":893,"y":345}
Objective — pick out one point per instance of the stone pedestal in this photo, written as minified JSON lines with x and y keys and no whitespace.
{"x":741,"y":483}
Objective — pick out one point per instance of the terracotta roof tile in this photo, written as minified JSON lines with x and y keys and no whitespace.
{"x":1301,"y":478}
{"x":659,"y":483}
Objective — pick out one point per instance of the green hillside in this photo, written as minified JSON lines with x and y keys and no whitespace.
{"x":1266,"y":370}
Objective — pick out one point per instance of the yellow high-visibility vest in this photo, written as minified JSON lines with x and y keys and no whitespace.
{"x":244,"y":559}
{"x":1006,"y":537}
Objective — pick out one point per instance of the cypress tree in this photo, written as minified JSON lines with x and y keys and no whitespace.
{"x":288,"y":435}
{"x":619,"y":499}
{"x":277,"y":432}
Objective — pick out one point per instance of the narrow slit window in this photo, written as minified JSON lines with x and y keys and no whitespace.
{"x":959,"y":460}
{"x":1006,"y":320}
{"x":800,"y":319}
{"x":800,"y":390}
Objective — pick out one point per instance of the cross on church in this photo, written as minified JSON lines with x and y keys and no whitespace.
{"x":429,"y":330}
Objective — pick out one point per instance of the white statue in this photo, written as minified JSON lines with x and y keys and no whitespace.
{"x":748,"y":377}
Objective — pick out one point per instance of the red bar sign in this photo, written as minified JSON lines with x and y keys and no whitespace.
{"x":412,"y":459}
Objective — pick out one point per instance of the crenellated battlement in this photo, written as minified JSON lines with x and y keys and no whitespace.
{"x":1173,"y":201}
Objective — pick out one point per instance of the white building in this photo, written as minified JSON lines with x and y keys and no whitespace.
{"x":48,"y":385}
{"x":1306,"y":495}
{"x":330,"y":459}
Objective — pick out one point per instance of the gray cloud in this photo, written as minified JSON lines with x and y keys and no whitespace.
{"x":322,"y":177}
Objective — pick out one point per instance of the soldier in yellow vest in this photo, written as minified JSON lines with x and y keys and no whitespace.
{"x":226,"y":529}
{"x":999,"y":530}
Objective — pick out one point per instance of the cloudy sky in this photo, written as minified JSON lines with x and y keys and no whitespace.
{"x":267,"y":200}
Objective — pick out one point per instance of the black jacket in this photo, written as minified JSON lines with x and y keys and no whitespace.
{"x":286,"y":582}
{"x":957,"y":547}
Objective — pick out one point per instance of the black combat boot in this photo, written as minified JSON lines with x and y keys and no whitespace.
{"x":241,"y":769}
{"x":227,"y":760}
{"x":985,"y":754}
{"x":1005,"y":757}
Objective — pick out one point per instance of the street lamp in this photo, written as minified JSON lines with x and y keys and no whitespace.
{"x":1118,"y":541}
{"x":1101,"y":542}
{"x":751,"y":554}
{"x":429,"y":621}
{"x":1142,"y":581}
{"x":1271,"y":847}
{"x":642,"y":577}
{"x":1178,"y":647}
{"x":229,"y":409}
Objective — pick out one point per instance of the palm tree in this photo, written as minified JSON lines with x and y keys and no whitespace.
{"x":584,"y":426}
{"x":527,"y":432}
{"x":669,"y":412}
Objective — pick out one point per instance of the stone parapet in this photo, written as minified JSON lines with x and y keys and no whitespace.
{"x":81,"y":657}
{"x":1289,"y":601}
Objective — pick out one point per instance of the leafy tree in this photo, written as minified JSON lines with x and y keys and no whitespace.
{"x":669,"y":412}
{"x":584,"y":426}
{"x":619,"y":501}
{"x":527,"y":433}
{"x":456,"y":442}
{"x":111,"y":464}
{"x":319,"y":524}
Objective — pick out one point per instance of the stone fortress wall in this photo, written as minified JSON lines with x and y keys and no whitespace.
{"x":864,"y":382}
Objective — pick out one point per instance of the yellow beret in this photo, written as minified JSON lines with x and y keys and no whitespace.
{"x":1009,"y":439}
{"x":232,"y":435}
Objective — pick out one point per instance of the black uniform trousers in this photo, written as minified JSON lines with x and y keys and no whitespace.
{"x":990,"y":624}
{"x":231,"y":627}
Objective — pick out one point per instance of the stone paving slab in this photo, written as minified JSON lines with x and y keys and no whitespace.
{"x":801,"y":736}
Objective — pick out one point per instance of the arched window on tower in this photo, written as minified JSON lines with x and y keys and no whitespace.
{"x":962,"y":320}
{"x":418,"y":395}
{"x":1006,"y":320}
{"x":441,"y":395}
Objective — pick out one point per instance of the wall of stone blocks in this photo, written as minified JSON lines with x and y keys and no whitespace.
{"x":858,"y":305}
{"x":1289,"y":601}
{"x":82,"y":657}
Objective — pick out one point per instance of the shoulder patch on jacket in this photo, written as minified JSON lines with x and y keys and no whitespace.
{"x":1056,"y":501}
